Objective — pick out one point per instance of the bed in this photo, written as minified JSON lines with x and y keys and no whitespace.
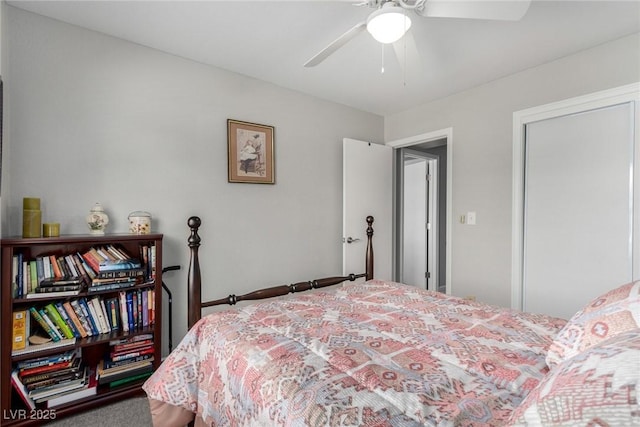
{"x":378,"y":353}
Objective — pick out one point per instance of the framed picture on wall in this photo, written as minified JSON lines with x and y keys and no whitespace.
{"x":250,"y":152}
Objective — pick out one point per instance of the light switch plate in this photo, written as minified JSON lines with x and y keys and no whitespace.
{"x":471,"y":218}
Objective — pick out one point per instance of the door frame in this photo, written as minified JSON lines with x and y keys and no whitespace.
{"x":431,"y":215}
{"x":447,"y":134}
{"x":521,"y":118}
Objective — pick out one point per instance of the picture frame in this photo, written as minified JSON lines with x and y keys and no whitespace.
{"x":250,"y":148}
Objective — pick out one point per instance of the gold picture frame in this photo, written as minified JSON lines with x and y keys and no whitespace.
{"x":250,"y":152}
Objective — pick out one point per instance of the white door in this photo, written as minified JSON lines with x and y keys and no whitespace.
{"x":367,"y":190}
{"x":414,"y":220}
{"x":578,"y":222}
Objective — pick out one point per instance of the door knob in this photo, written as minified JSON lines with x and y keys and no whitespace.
{"x":351,"y":239}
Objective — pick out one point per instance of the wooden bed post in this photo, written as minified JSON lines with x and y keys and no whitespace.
{"x":194,"y":280}
{"x":369,"y":255}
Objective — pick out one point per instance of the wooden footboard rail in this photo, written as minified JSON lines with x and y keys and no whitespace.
{"x":194,"y":279}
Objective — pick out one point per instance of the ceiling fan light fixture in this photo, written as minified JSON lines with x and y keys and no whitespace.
{"x":388,"y":24}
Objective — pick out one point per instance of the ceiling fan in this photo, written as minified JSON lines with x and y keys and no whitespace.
{"x":390,"y":20}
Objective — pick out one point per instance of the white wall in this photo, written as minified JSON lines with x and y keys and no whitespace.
{"x":94,"y":118}
{"x":481,"y":119}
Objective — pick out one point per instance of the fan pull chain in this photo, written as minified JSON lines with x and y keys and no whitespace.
{"x":404,"y":68}
{"x":382,"y":58}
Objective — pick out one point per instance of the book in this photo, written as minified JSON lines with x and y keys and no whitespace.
{"x":145,"y":311}
{"x":67,"y":320}
{"x":120,"y":273}
{"x":49,"y":321}
{"x":71,"y":266}
{"x":130,"y":312}
{"x":93,"y":314}
{"x":152,"y":306}
{"x":91,"y":261}
{"x":26,"y":272}
{"x":14,"y":276}
{"x":57,"y":319}
{"x":110,"y":365}
{"x":52,"y":294}
{"x":90,"y":272}
{"x":137,"y":301}
{"x":131,"y":354}
{"x":62,"y":266}
{"x":39,"y":269}
{"x":81,"y":393}
{"x":61,"y":288}
{"x":47,"y":368}
{"x":107,"y":378}
{"x":113,"y":309}
{"x":33,"y":276}
{"x":54,"y":265}
{"x":44,"y":394}
{"x":105,"y":315}
{"x":22,"y":390}
{"x":35,"y":381}
{"x":132,"y":339}
{"x":44,"y":324}
{"x":124,"y":317}
{"x":131,"y":345}
{"x":107,"y":367}
{"x":77,"y":261}
{"x":44,"y":360}
{"x":99,"y":316}
{"x":69,"y":367}
{"x":131,"y":379}
{"x":111,"y":286}
{"x":81,"y":316}
{"x":116,"y":255}
{"x":19,"y":273}
{"x":87,"y":313}
{"x":60,"y":281}
{"x":20,"y":329}
{"x":74,"y":319}
{"x":109,"y":280}
{"x":34,"y":348}
{"x":46,"y":265}
{"x":117,"y":265}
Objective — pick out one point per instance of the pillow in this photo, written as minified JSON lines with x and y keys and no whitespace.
{"x":606,"y":316}
{"x":594,"y":388}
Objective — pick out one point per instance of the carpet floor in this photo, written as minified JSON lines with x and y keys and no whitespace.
{"x":129,"y":412}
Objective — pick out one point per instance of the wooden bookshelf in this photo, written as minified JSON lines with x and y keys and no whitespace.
{"x":14,"y":411}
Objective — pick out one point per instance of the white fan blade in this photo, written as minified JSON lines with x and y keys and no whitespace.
{"x":335,"y":45}
{"x":502,"y":10}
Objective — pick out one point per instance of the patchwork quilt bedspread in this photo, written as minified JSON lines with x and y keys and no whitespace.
{"x":374,"y":353}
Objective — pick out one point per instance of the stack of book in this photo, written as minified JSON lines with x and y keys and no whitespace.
{"x":130,"y":359}
{"x":54,"y":379}
{"x":65,"y":321}
{"x":114,"y":269}
{"x":49,"y":275}
{"x":101,"y":268}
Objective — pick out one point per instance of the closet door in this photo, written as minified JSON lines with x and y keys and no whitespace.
{"x":578,"y":208}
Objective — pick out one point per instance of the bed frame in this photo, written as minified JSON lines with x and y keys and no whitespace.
{"x":194,"y":279}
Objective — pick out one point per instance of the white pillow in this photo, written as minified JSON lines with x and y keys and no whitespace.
{"x":615,"y":312}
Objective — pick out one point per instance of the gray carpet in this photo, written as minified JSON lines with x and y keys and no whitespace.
{"x":129,"y":412}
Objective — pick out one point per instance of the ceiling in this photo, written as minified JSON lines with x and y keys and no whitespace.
{"x":271,"y":40}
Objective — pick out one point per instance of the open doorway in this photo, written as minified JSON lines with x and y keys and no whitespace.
{"x":421,"y":215}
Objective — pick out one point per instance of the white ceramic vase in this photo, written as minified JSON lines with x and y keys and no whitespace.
{"x":97,"y":219}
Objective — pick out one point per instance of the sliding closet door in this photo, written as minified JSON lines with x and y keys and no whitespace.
{"x":578,"y":212}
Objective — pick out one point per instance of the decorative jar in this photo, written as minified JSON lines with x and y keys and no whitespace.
{"x":31,"y":217}
{"x":139,"y":222}
{"x":97,"y":219}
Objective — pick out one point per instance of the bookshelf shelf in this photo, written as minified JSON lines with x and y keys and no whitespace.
{"x":93,"y":348}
